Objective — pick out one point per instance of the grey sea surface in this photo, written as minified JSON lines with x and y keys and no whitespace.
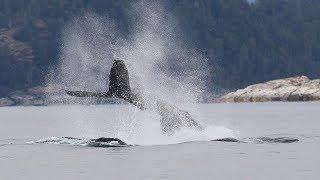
{"x":155,"y":156}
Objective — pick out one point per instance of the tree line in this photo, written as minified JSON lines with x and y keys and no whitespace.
{"x":244,"y":43}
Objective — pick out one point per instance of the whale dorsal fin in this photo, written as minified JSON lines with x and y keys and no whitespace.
{"x":119,"y":84}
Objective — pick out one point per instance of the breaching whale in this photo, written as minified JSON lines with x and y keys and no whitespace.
{"x":119,"y":86}
{"x":172,"y":118}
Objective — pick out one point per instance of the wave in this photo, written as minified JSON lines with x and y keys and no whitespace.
{"x":115,"y":142}
{"x":260,"y":140}
{"x":99,"y":142}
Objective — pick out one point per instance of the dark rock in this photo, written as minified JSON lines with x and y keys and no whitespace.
{"x":18,"y":50}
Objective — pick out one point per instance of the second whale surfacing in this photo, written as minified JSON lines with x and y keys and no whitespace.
{"x":172,"y":118}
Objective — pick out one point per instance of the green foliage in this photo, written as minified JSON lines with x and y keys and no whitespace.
{"x":244,"y":43}
{"x":251,"y":43}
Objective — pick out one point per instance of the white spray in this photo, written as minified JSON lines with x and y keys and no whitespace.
{"x":91,"y":42}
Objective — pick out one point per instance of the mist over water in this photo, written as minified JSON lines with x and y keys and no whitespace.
{"x":160,"y":66}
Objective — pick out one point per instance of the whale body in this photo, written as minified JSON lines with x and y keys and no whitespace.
{"x":172,"y":118}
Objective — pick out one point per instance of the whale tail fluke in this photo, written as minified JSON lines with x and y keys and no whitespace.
{"x":119,"y":86}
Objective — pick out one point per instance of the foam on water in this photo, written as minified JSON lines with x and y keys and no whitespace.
{"x":63,"y":140}
{"x":148,"y":132}
{"x":144,"y":128}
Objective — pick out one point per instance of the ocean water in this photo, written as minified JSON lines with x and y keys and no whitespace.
{"x":32,"y":144}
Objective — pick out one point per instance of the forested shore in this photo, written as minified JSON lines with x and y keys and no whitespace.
{"x":244,"y":43}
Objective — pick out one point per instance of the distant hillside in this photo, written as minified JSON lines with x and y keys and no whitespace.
{"x":244,"y":43}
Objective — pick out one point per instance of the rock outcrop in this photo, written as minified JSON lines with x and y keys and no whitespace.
{"x":299,"y":88}
{"x":18,"y":50}
{"x":6,"y":102}
{"x":48,"y":95}
{"x":36,"y":96}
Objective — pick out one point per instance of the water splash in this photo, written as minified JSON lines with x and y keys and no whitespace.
{"x":158,"y":61}
{"x":160,"y":65}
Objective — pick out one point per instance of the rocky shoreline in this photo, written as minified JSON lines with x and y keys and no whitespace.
{"x":299,"y":88}
{"x":36,"y":96}
{"x":50,"y":95}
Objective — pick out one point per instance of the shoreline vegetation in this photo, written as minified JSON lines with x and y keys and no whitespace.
{"x":242,"y":43}
{"x":292,"y":89}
